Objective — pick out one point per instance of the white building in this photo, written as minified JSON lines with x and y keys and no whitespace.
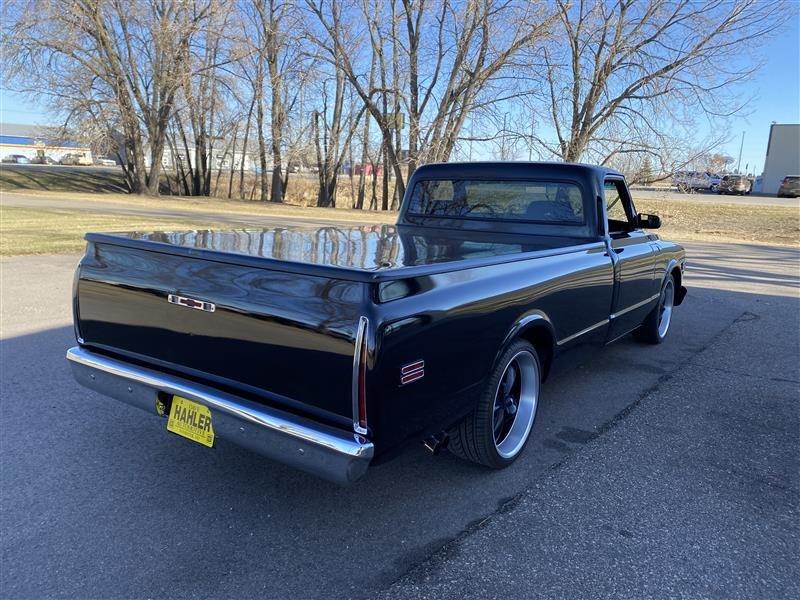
{"x":221,"y":159}
{"x":783,"y":156}
{"x":34,"y":140}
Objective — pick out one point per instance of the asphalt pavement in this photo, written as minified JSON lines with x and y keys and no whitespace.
{"x":654,"y":471}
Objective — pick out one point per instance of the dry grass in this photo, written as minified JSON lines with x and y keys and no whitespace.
{"x":216,"y":205}
{"x":55,"y":231}
{"x":683,"y":219}
{"x":301,"y":191}
{"x":687,"y":220}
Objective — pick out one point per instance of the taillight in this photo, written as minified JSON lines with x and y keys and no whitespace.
{"x":360,"y":378}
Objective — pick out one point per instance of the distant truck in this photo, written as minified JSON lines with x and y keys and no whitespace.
{"x":329,"y":349}
{"x":77,"y":158}
{"x":689,"y":181}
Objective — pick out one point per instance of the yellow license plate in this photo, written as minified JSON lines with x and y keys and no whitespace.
{"x":191,"y":420}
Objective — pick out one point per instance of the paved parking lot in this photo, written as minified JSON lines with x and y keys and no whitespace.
{"x":653,"y":471}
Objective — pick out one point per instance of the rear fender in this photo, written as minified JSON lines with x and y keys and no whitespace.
{"x":536,"y":327}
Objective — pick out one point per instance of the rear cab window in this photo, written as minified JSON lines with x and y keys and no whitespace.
{"x":532,"y":201}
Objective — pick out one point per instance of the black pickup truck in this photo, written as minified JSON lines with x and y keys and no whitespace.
{"x":331,"y":348}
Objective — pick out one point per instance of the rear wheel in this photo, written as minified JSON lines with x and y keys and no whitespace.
{"x":498,"y":428}
{"x":655,"y":326}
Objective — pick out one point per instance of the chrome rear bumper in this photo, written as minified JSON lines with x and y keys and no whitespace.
{"x":330,"y":453}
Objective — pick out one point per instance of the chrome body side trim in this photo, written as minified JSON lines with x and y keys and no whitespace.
{"x":325,"y":451}
{"x":582,"y":332}
{"x":361,"y":333}
{"x":619,"y":313}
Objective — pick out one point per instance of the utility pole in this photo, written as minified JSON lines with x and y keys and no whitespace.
{"x":739,"y":164}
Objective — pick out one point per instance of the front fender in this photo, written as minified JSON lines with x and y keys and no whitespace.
{"x":680,"y":292}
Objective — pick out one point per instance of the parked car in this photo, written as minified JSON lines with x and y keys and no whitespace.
{"x":735,"y":184}
{"x":689,"y":181}
{"x":19,"y":159}
{"x":331,"y":348}
{"x":105,"y":161}
{"x":43,"y":160}
{"x":76,"y":158}
{"x":790,"y":187}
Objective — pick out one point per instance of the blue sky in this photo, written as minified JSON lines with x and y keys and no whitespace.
{"x":776,"y":88}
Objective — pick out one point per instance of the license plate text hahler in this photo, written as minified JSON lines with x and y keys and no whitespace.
{"x":191,"y":420}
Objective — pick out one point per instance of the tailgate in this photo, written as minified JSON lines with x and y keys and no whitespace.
{"x":281,"y":336}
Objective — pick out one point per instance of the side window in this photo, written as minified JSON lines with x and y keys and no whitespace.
{"x":618,"y":206}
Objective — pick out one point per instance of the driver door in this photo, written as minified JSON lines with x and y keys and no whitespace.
{"x":633,"y":255}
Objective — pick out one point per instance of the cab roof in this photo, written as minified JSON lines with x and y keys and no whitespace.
{"x":515,"y":169}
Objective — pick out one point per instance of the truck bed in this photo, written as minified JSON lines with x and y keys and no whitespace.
{"x":358,"y":253}
{"x":284,"y":303}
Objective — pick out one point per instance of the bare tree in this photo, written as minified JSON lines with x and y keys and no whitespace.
{"x":474,"y":41}
{"x":338,"y":43}
{"x":123,"y":60}
{"x":333,"y":132}
{"x":487,"y":37}
{"x":364,"y":143}
{"x":272,"y":15}
{"x":205,"y":110}
{"x":279,"y":39}
{"x":621,"y":75}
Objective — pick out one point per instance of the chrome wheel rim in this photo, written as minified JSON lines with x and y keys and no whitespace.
{"x":515,"y":404}
{"x":667,"y":302}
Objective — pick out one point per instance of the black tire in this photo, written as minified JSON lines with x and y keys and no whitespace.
{"x":654,"y":328}
{"x":475,"y":438}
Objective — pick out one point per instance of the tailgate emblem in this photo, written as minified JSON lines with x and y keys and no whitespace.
{"x":191,"y":303}
{"x":412,"y":372}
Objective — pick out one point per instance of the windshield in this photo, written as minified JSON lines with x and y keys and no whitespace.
{"x":529,"y":200}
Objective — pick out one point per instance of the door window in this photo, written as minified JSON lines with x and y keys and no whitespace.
{"x":619,"y":208}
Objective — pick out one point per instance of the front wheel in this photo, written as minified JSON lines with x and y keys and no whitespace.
{"x":498,"y":428}
{"x":655,"y":326}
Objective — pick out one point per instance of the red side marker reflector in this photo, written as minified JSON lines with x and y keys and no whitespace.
{"x":412,"y":372}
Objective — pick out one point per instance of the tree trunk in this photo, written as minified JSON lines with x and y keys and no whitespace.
{"x":262,"y":146}
{"x":365,"y":142}
{"x":245,"y":148}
